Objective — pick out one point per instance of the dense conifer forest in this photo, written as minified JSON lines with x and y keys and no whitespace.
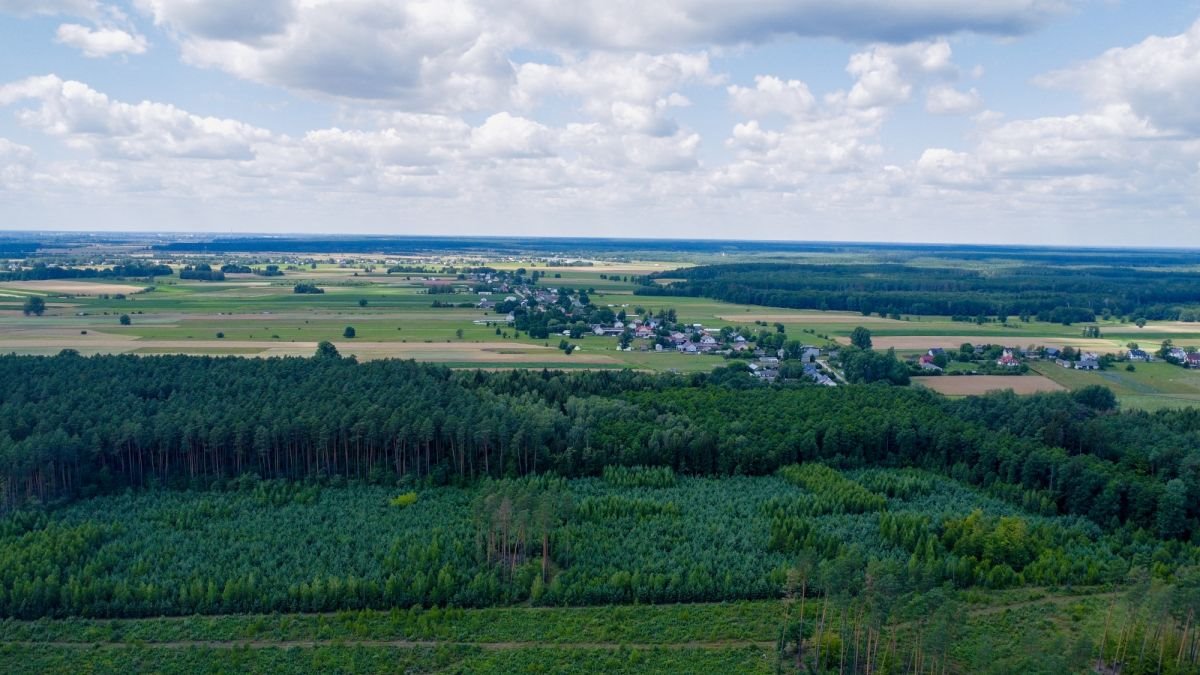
{"x":177,"y":485}
{"x":72,"y":426}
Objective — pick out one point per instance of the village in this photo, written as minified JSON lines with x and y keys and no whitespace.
{"x":544,"y":311}
{"x":998,"y":359}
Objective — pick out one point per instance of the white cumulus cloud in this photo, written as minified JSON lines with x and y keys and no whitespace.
{"x":458,"y":54}
{"x":89,"y":119}
{"x":771,"y":95}
{"x":100,"y":42}
{"x":944,"y":99}
{"x":1158,"y":78}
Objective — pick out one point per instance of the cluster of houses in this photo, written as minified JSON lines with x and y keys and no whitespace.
{"x":709,"y":341}
{"x":639,"y":329}
{"x":1087,"y":361}
{"x":767,"y":369}
{"x":507,"y":293}
{"x":1009,"y":358}
{"x":1184,"y":358}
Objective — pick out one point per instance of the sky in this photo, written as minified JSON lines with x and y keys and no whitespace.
{"x":1067,"y":122}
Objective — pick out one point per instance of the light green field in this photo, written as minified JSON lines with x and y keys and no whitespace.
{"x":261,"y":316}
{"x":1151,"y":386}
{"x":1027,"y":630}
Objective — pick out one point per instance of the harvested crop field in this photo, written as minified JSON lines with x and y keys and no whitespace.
{"x":72,"y":287}
{"x":1162,"y":327}
{"x":455,"y":315}
{"x":972,"y":385}
{"x":201,"y":351}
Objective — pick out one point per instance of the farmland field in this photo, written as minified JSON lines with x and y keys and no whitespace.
{"x":250,"y":315}
{"x":968,"y":385}
{"x":71,"y":287}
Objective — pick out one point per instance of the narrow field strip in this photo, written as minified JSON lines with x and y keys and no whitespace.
{"x":397,"y":644}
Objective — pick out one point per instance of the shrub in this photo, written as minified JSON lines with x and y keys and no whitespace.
{"x":405,"y":500}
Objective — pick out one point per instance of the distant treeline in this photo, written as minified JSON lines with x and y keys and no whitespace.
{"x":16,"y":251}
{"x":201,"y":272}
{"x":73,"y":426}
{"x":566,"y":247}
{"x":42,"y":272}
{"x":1064,"y":295}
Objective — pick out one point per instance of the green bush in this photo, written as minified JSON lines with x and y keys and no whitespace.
{"x":405,"y":500}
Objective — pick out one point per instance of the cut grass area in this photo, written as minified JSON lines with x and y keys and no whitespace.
{"x":669,"y":361}
{"x":628,"y":624}
{"x":1150,"y":386}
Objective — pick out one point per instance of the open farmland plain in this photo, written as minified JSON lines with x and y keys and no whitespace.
{"x":250,"y":315}
{"x":392,"y":315}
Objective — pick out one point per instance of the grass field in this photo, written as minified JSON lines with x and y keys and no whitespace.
{"x":257,"y":316}
{"x":1042,"y":630}
{"x":1149,"y":386}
